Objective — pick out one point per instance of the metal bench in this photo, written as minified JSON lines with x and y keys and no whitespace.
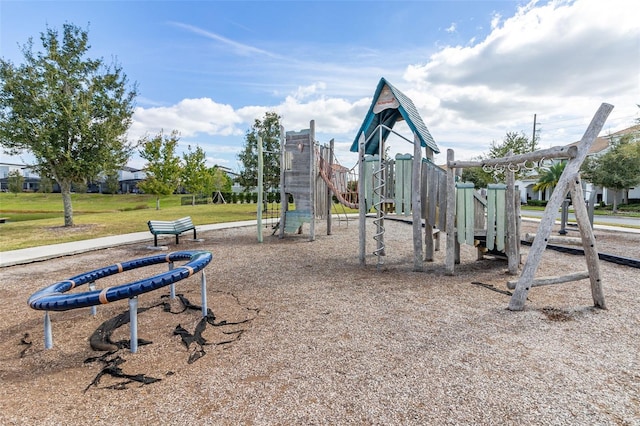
{"x":171,"y":227}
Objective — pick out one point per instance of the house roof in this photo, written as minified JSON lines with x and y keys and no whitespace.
{"x":389,"y":106}
{"x":602,"y":142}
{"x":633,"y":129}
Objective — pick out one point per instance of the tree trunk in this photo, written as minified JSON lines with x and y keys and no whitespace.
{"x":193,"y":199}
{"x":614,"y":209}
{"x":65,"y":190}
{"x":157,"y":203}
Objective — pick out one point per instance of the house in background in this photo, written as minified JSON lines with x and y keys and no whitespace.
{"x":31,"y":180}
{"x":128,"y":179}
{"x":607,"y":195}
{"x":600,"y":146}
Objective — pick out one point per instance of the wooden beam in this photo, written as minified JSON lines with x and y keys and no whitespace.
{"x":588,"y":244}
{"x":533,"y":157}
{"x":552,"y":239}
{"x":553,"y":280}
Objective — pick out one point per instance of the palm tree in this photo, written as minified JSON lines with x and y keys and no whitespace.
{"x":550,"y":177}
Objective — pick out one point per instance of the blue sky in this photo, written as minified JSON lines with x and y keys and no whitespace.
{"x":474,"y":69}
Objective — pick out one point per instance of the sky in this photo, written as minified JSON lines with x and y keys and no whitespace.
{"x":475,"y":70}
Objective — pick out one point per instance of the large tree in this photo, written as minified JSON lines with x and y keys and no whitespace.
{"x":69,"y":111}
{"x":269,"y":129}
{"x":195,"y":176}
{"x":163,"y":166}
{"x":617,"y":169}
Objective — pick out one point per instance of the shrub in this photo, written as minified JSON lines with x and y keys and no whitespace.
{"x":537,"y":203}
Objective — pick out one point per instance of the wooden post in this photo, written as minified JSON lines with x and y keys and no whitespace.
{"x":570,"y":172}
{"x":450,"y":256}
{"x":588,"y":243}
{"x":362,"y":206}
{"x":416,"y":204}
{"x":428,"y":205}
{"x":312,"y":179}
{"x":330,"y":174}
{"x":517,"y":208}
{"x":513,"y":239}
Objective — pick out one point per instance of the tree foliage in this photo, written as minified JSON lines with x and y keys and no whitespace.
{"x":550,"y":176}
{"x":15,"y":182}
{"x":46,"y":184}
{"x":269,"y":129}
{"x":221,"y":182}
{"x":111,"y":182}
{"x":617,"y":169}
{"x":195,"y":176}
{"x":69,"y":111}
{"x":163,"y":166}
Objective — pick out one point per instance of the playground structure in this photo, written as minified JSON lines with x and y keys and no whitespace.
{"x":412,"y":185}
{"x":297,"y":173}
{"x":52,"y":298}
{"x":310,"y":176}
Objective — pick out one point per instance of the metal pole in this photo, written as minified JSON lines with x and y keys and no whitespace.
{"x":284,"y":199}
{"x":92,"y":286}
{"x":133,"y":323}
{"x":564,"y":216}
{"x":172,"y":286}
{"x":260,"y":187}
{"x":48,"y":335}
{"x":203,"y":291}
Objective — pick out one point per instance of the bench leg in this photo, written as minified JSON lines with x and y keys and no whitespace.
{"x":155,"y":240}
{"x":177,"y":242}
{"x":194,"y":234}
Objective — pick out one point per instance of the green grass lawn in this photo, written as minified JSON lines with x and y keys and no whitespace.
{"x":35,"y":219}
{"x":38,"y":219}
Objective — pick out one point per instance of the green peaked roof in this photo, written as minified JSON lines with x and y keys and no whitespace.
{"x":389,"y":106}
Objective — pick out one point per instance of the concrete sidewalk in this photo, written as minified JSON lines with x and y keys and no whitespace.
{"x":35,"y":254}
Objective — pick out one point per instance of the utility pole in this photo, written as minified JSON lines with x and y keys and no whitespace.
{"x":533,"y":138}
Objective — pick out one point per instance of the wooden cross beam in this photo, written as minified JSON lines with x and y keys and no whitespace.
{"x":569,"y":181}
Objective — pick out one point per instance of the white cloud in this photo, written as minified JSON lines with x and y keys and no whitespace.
{"x":189,"y":117}
{"x":239,"y":48}
{"x":562,"y":58}
{"x":305,"y":92}
{"x":558,"y":60}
